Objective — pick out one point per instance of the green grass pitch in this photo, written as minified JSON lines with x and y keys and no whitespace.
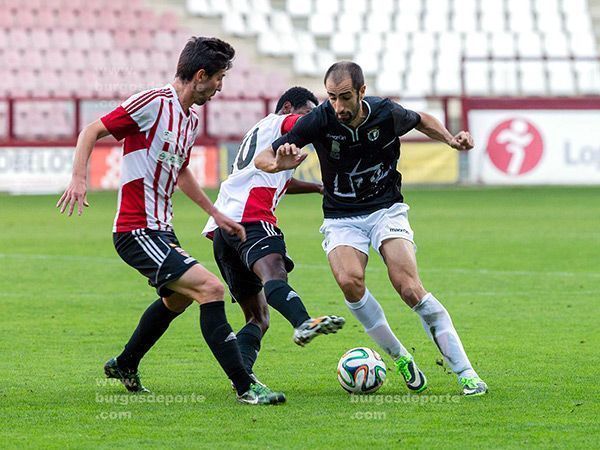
{"x":518,"y":269}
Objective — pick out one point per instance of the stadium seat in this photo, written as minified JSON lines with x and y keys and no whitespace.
{"x":549,"y":19}
{"x":18,"y":39}
{"x":359,"y":7}
{"x":368,"y":61}
{"x":407,"y":21}
{"x":370,"y":42}
{"x":199,"y":7}
{"x":493,"y":20}
{"x":578,"y":23}
{"x":388,"y":7}
{"x":343,"y":44}
{"x":350,"y":21}
{"x":556,"y":45}
{"x":418,"y":84}
{"x":582,"y":45}
{"x":397,"y":42}
{"x":447,"y":81}
{"x":521,"y":21}
{"x":448,"y":64}
{"x":476,"y":45}
{"x":380,"y":21}
{"x":75,"y":59}
{"x":54,"y":59}
{"x":324,"y":60}
{"x":260,"y":6}
{"x":234,"y":23}
{"x":533,"y":78}
{"x":561,"y":80}
{"x":256,"y":23}
{"x":329,"y":7}
{"x":477,"y":77}
{"x":503,"y":45}
{"x":504,"y":78}
{"x":389,"y":83}
{"x":436,"y":20}
{"x":588,"y":77}
{"x":297,"y":8}
{"x":321,"y":25}
{"x":529,"y":45}
{"x":305,"y":64}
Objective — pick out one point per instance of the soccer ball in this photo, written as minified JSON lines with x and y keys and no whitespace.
{"x":361,"y":371}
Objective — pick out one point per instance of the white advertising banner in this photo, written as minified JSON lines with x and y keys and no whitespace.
{"x":35,"y":170}
{"x":47,"y":170}
{"x":535,"y":146}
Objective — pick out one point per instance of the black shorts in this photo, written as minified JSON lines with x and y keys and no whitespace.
{"x":156,"y":255}
{"x":236,"y":258}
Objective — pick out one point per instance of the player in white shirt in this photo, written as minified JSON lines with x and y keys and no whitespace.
{"x":160,"y":127}
{"x":249,"y":196}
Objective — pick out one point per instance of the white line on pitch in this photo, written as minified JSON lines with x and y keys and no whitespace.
{"x":116,"y":260}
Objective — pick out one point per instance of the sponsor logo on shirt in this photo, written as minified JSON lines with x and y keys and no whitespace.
{"x":169,"y":136}
{"x":398,"y":230}
{"x":171,"y":159}
{"x":337,"y":137}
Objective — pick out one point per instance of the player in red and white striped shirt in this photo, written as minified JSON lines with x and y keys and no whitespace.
{"x":256,"y":270}
{"x":160,"y":127}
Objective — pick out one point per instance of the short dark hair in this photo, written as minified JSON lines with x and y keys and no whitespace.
{"x":297,"y":96}
{"x":340,"y":70}
{"x":210,"y":54}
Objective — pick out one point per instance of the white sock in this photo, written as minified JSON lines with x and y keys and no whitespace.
{"x":368,"y":311}
{"x":439,"y":328}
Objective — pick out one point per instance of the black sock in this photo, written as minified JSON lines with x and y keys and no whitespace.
{"x":248,"y":339}
{"x":152,"y":326}
{"x":222,"y":342}
{"x":290,"y":306}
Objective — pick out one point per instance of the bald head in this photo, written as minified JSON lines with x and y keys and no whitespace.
{"x":343,"y":70}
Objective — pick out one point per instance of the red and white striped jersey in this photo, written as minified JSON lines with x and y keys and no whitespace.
{"x":159,"y":137}
{"x":249,"y":194}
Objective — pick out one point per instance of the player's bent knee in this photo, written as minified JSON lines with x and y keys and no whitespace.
{"x":212,"y":289}
{"x":352,"y":285}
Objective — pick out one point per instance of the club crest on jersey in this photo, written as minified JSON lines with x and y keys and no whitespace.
{"x":373,"y":134}
{"x":335,"y":150}
{"x":169,"y":137}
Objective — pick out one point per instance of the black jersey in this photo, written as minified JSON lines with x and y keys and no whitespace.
{"x":358,"y":166}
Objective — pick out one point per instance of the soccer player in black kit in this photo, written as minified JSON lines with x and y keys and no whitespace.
{"x":357,"y":142}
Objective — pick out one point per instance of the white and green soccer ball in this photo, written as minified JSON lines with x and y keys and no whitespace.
{"x":361,"y":371}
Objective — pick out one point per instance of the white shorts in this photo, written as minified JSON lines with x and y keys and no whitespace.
{"x":362,"y":231}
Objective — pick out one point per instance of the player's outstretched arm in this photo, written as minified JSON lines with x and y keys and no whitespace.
{"x":76,"y":192}
{"x":433,"y":128}
{"x":287,"y":157}
{"x":303,"y":187}
{"x":190,"y":187}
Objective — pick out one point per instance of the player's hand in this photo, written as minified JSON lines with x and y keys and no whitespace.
{"x":75,"y":194}
{"x":229,"y":226}
{"x":321,"y":189}
{"x":462,"y":141}
{"x":288,"y":156}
